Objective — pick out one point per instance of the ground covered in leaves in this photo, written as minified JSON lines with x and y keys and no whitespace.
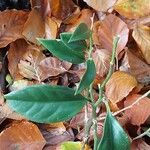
{"x":24,"y":62}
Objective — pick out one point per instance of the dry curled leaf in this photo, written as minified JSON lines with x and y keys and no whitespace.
{"x":11,"y":26}
{"x":22,"y":135}
{"x":28,"y":65}
{"x":100,"y":5}
{"x":51,"y":66}
{"x":136,"y":67}
{"x":102,"y":60}
{"x":141,"y":34}
{"x":112,"y":26}
{"x":34,"y":26}
{"x":119,"y":86}
{"x":133,"y":9}
{"x":139,"y":112}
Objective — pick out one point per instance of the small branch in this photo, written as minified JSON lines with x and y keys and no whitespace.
{"x":129,"y":107}
{"x":112,"y":62}
{"x":143,"y":134}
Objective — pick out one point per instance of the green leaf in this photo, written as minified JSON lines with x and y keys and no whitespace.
{"x":45,"y":103}
{"x":88,"y":77}
{"x":82,"y":32}
{"x":60,"y":50}
{"x":114,"y":137}
{"x":71,"y":146}
{"x":77,"y":46}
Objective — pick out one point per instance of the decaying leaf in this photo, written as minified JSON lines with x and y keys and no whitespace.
{"x":85,"y":17}
{"x":119,"y":86}
{"x":22,"y":135}
{"x":100,"y":5}
{"x":52,"y":66}
{"x":140,"y":112}
{"x":139,"y":145}
{"x":61,"y":9}
{"x":34,"y":28}
{"x":136,"y":67}
{"x":55,"y":134}
{"x":141,"y":34}
{"x":51,"y":27}
{"x":11,"y":25}
{"x":102,"y":61}
{"x":16,"y":51}
{"x":28,"y":65}
{"x":112,"y":26}
{"x":133,"y":9}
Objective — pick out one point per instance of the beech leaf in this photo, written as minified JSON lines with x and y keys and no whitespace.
{"x":141,"y":34}
{"x":119,"y":86}
{"x":44,"y":103}
{"x":133,"y":9}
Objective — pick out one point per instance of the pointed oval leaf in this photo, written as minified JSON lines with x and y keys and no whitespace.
{"x":45,"y":103}
{"x":60,"y":50}
{"x":82,"y":32}
{"x":88,"y":77}
{"x":114,"y":137}
{"x":77,"y":45}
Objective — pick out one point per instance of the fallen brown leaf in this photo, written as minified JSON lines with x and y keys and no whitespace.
{"x":34,"y":28}
{"x":136,"y":67}
{"x":119,"y":86}
{"x":22,"y":135}
{"x":28,"y":65}
{"x":102,"y":61}
{"x":112,"y":26}
{"x":139,"y":113}
{"x":16,"y":51}
{"x":11,"y":25}
{"x":139,"y":145}
{"x":100,"y":5}
{"x":133,"y":9}
{"x":141,"y":34}
{"x":51,"y":66}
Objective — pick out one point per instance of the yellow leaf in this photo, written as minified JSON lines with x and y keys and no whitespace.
{"x":133,"y":9}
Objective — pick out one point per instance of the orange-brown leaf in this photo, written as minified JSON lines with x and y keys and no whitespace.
{"x":133,"y":9}
{"x":34,"y":26}
{"x":119,"y":86}
{"x":22,"y":135}
{"x":139,"y":112}
{"x":139,"y":145}
{"x":112,"y":26}
{"x":11,"y":25}
{"x":141,"y":34}
{"x":136,"y":67}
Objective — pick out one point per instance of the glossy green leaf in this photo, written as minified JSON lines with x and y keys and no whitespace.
{"x":77,"y":46}
{"x":60,"y":50}
{"x":45,"y":103}
{"x":114,"y":137}
{"x":82,"y":32}
{"x":88,"y":77}
{"x":71,"y":146}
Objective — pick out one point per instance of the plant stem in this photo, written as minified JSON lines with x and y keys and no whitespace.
{"x":143,"y":134}
{"x":112,"y":62}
